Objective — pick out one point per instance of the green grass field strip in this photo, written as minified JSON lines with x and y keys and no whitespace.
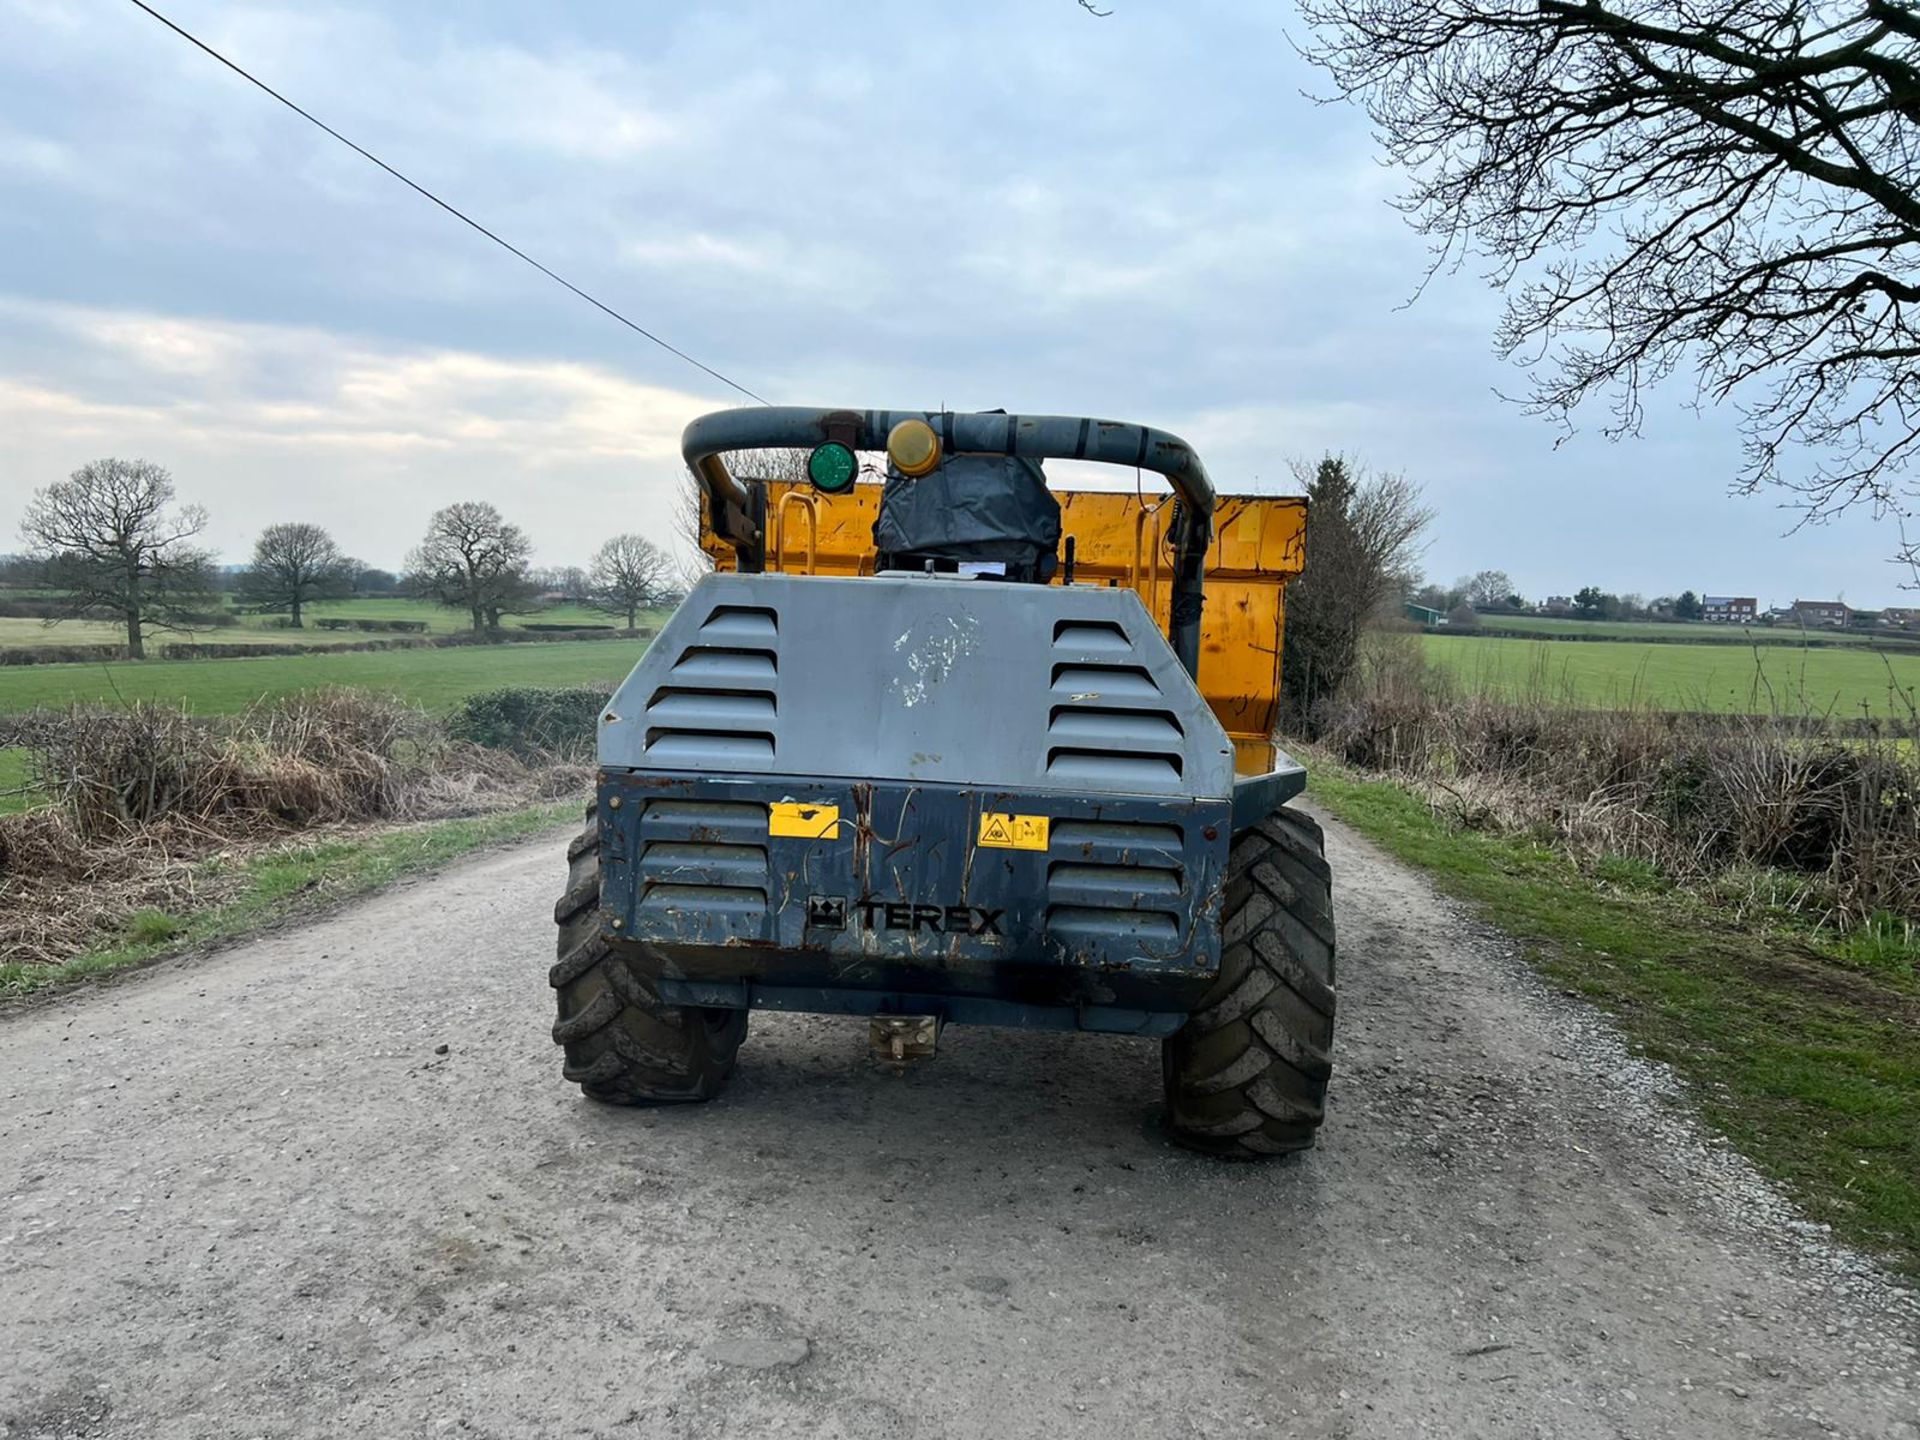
{"x":296,"y":878}
{"x":263,"y":630}
{"x":432,"y":678}
{"x":13,"y":779}
{"x":1848,"y":683}
{"x":1699,"y":632}
{"x":1803,"y":1050}
{"x":1527,"y":627}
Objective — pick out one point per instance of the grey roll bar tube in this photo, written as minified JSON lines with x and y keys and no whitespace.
{"x":739,"y":519}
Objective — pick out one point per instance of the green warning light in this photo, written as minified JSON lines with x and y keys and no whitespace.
{"x":832,"y":467}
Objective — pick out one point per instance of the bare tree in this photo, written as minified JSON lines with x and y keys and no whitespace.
{"x":1363,"y":540}
{"x":295,"y":564}
{"x":1488,"y":587}
{"x":1718,"y":186}
{"x":629,"y":574}
{"x":473,"y":560}
{"x":110,"y":538}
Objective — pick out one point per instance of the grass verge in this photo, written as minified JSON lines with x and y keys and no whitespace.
{"x":1802,"y":1050}
{"x":274,"y":884}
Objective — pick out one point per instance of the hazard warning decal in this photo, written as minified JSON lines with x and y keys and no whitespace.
{"x":803,"y":822}
{"x":1000,"y":831}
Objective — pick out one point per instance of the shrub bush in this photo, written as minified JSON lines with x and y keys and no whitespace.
{"x":1700,"y":796}
{"x":60,"y":654}
{"x":531,"y":722}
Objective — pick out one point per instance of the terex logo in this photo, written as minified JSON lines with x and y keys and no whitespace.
{"x":942,"y":919}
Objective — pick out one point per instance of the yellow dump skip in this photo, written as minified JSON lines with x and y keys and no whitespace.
{"x":1259,"y":545}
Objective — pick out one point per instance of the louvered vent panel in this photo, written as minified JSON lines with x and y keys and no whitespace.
{"x":1092,"y":637}
{"x":1109,"y":727}
{"x":1109,"y":881}
{"x":741,"y":623}
{"x":720,"y":706}
{"x":703,"y":857}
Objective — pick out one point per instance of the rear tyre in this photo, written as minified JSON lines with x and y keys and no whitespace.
{"x":624,"y":1044}
{"x":1246,"y":1076}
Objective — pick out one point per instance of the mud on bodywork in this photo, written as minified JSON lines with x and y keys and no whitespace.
{"x":1083,"y":902}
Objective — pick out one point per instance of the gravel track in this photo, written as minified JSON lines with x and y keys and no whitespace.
{"x":245,"y":1195}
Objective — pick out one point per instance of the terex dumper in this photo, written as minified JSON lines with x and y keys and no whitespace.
{"x":955,"y":748}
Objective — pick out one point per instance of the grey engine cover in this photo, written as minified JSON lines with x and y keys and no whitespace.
{"x":924,"y":679}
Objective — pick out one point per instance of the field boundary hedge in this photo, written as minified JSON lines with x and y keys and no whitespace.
{"x":1839,"y":640}
{"x":60,"y":654}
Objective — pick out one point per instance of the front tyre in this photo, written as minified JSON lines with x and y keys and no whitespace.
{"x":1246,"y":1076}
{"x":624,"y":1044}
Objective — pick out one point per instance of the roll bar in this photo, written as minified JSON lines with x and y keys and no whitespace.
{"x":739,"y":518}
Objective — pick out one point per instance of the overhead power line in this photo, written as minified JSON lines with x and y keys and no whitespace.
{"x":457,"y":214}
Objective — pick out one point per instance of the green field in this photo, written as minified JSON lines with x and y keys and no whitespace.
{"x":16,"y":633}
{"x":433,"y":678}
{"x":262,"y":629}
{"x":1698,"y":632}
{"x":1847,"y":683}
{"x":440,"y":620}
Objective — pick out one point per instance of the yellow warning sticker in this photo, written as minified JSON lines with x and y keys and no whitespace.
{"x":1001,"y":831}
{"x":802,"y":821}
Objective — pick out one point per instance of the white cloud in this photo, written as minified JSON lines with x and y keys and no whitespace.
{"x":259,"y":422}
{"x":703,"y":250}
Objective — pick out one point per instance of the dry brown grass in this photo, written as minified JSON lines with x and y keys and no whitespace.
{"x":311,"y":759}
{"x":143,"y":797}
{"x":1699,"y":797}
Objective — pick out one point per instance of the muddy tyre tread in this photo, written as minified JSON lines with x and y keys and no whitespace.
{"x":625,"y":1045}
{"x":1246,"y":1076}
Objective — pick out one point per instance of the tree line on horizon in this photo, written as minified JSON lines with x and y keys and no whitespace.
{"x":113,"y":540}
{"x":1493,"y":590}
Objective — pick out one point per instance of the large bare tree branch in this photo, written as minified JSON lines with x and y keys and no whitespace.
{"x":1717,"y":187}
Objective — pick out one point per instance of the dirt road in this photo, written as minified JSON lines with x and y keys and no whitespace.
{"x":247,"y":1196}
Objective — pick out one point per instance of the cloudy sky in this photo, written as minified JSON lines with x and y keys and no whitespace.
{"x":1003,"y":203}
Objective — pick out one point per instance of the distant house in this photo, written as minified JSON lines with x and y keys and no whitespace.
{"x":1901,"y":617}
{"x":1823,"y":614}
{"x":1557,"y":604}
{"x":1729,"y":609}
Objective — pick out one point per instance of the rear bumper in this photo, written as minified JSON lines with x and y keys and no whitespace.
{"x":1036,"y":1002}
{"x":875,"y":898}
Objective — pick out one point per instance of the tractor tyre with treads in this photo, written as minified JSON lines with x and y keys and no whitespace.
{"x":624,"y":1044}
{"x":1246,"y":1076}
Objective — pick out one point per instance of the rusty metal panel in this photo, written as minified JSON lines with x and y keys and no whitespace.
{"x":902,"y":882}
